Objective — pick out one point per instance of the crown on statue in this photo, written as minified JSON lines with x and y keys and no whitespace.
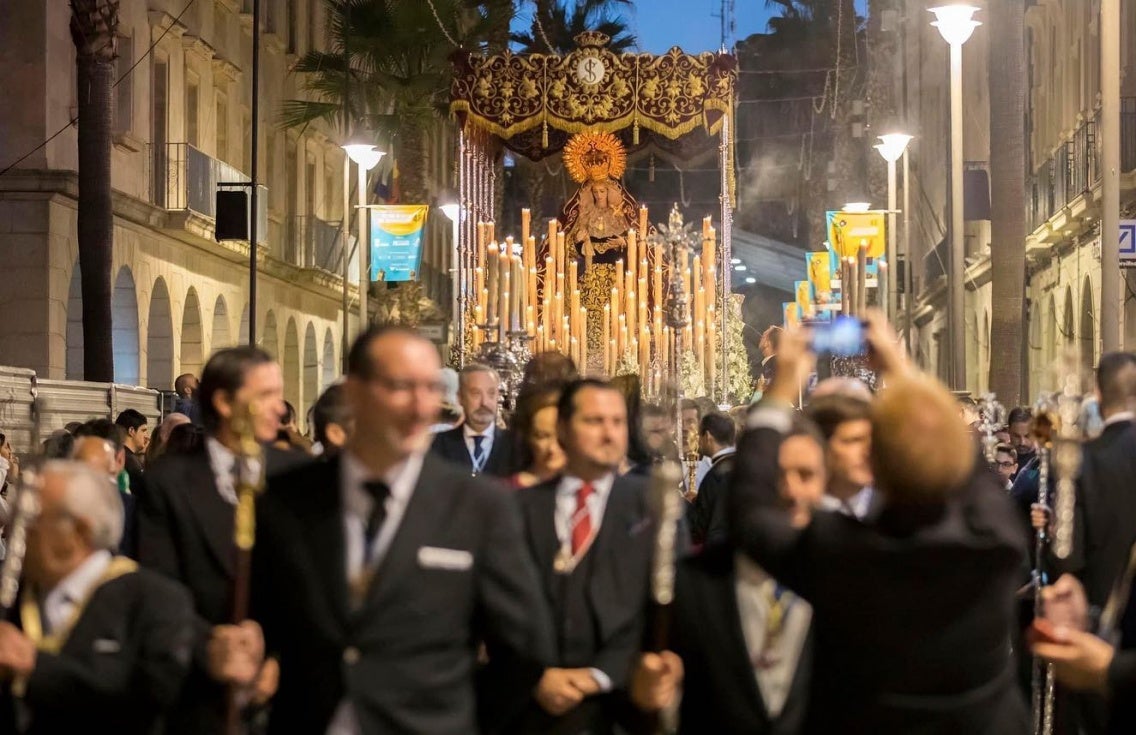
{"x":592,"y":39}
{"x":594,"y":156}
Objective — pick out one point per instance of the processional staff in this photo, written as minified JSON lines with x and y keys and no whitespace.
{"x":250,"y":482}
{"x":667,"y":506}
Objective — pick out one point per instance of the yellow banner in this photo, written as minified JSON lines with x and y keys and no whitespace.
{"x":847,"y":231}
{"x":820,"y":272}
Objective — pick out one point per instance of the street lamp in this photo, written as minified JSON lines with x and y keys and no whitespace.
{"x":956,"y":24}
{"x":366,"y":158}
{"x":454,"y":211}
{"x":893,"y":146}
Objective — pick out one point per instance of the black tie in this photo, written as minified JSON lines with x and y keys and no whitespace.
{"x":379,"y":492}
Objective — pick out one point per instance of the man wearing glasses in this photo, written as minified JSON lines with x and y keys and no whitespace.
{"x":1006,"y":463}
{"x":376,"y":576}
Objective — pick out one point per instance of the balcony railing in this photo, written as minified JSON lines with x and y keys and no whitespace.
{"x":315,"y":243}
{"x":182,"y":178}
{"x":1075,"y":167}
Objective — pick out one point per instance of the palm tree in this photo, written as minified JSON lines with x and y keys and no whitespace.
{"x":93,"y":27}
{"x":398,"y":70}
{"x":1007,"y":75}
{"x":558,"y":24}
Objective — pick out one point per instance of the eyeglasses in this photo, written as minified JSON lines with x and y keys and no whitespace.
{"x":1006,"y":465}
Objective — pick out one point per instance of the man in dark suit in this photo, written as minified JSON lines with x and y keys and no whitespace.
{"x":185,"y":518}
{"x":742,"y":640}
{"x":707,"y":514}
{"x":375,"y":576}
{"x":590,"y":533}
{"x":913,"y":610}
{"x":1105,"y":518}
{"x":478,"y":445}
{"x":97,"y":644}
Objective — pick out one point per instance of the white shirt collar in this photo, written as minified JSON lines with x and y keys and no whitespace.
{"x":566,"y":503}
{"x":569,"y":484}
{"x":401,"y":479}
{"x":74,"y":588}
{"x":223,"y":462}
{"x":1119,"y":416}
{"x":723,"y":453}
{"x":469,"y":433}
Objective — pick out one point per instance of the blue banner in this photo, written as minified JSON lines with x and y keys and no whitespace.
{"x":396,"y":241}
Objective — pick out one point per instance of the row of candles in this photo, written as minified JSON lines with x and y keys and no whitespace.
{"x":517,"y":295}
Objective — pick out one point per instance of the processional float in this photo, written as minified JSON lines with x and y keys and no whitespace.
{"x":594,"y":282}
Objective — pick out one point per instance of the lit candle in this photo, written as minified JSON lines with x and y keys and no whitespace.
{"x":530,"y":320}
{"x":583,"y":366}
{"x":622,"y":343}
{"x":526,"y":224}
{"x":643,"y":221}
{"x":644,"y":350}
{"x":493,"y":261}
{"x":632,"y":253}
{"x":607,"y":339}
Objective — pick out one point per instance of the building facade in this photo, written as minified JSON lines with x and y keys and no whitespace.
{"x":182,"y":125}
{"x":1062,"y":185}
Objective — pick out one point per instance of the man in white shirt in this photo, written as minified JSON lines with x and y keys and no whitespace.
{"x":96,"y":639}
{"x":478,"y":445}
{"x":377,"y":576}
{"x":590,"y":533}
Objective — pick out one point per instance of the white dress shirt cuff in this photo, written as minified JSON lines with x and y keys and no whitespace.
{"x":602,"y":679}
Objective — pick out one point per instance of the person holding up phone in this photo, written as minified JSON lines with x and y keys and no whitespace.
{"x":914,"y":607}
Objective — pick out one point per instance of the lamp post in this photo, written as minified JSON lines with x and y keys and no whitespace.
{"x":956,"y":24}
{"x":1110,"y":291}
{"x":453,"y":211}
{"x":366,"y":158}
{"x":893,"y":146}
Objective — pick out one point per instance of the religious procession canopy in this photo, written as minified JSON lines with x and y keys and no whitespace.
{"x":594,"y":287}
{"x":533,"y":103}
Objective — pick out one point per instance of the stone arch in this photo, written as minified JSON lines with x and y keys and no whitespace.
{"x":191,"y":349}
{"x":124,"y":328}
{"x":311,"y":370}
{"x":243,"y":330}
{"x":1088,"y":328}
{"x":75,"y":325}
{"x":291,"y":364}
{"x":330,"y":368}
{"x":220,"y":336}
{"x":269,"y":340}
{"x":160,"y":339}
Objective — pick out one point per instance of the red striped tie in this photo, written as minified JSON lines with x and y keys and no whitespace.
{"x":582,"y":519}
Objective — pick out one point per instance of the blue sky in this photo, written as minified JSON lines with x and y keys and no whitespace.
{"x":693,"y":25}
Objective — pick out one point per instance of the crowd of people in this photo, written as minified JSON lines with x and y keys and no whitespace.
{"x":848,"y":560}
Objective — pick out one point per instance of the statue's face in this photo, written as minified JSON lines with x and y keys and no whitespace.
{"x":599,"y":193}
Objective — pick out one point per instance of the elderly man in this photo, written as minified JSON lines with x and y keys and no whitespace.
{"x":478,"y":445}
{"x":98,"y":643}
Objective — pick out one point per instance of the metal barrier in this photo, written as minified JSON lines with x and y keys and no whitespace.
{"x":64,"y":401}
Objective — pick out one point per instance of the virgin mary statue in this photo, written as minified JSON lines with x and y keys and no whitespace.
{"x":596,"y":220}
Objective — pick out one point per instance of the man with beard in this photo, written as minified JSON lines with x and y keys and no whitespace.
{"x":478,"y":445}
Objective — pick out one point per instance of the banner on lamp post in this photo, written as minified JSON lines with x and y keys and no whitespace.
{"x":396,"y":241}
{"x":847,"y":231}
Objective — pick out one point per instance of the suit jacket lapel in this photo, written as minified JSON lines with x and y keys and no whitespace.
{"x":325,"y":531}
{"x":540,"y":524}
{"x":426,"y":509}
{"x":456,"y":450}
{"x":499,"y":453}
{"x":213,"y":514}
{"x":724,"y":599}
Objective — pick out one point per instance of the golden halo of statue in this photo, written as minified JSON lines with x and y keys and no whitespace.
{"x":595,"y":156}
